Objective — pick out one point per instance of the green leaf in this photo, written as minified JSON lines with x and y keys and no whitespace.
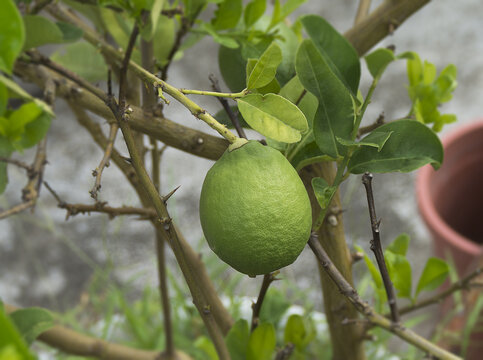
{"x":378,"y":60}
{"x":227,"y":14}
{"x":376,"y":276}
{"x":40,"y":31}
{"x":205,"y":345}
{"x":149,"y":31}
{"x":323,"y":191}
{"x":10,"y":353}
{"x":32,"y":322}
{"x":400,"y":245}
{"x":70,"y":33}
{"x":11,"y":338}
{"x":434,"y":274}
{"x":83,"y":59}
{"x":281,"y":12}
{"x":414,"y":70}
{"x":305,"y":101}
{"x":12,"y":35}
{"x":35,"y":131}
{"x":262,"y":343}
{"x":254,"y":11}
{"x":335,"y":114}
{"x":14,"y":127}
{"x":266,"y":67}
{"x":237,"y":340}
{"x":308,"y":154}
{"x":193,"y":7}
{"x":298,"y":332}
{"x":273,"y":116}
{"x":410,"y":146}
{"x":400,"y":273}
{"x":273,"y":307}
{"x":224,"y":40}
{"x":375,"y":140}
{"x":5,"y":151}
{"x":17,"y":90}
{"x":232,"y":67}
{"x":272,"y":87}
{"x":165,"y":30}
{"x":335,"y":49}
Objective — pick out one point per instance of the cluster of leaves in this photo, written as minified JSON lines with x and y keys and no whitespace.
{"x":435,"y":272}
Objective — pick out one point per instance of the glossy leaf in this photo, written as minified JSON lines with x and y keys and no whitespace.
{"x":232,"y":67}
{"x":32,"y":322}
{"x":435,"y":273}
{"x":254,"y":11}
{"x":410,"y":146}
{"x":237,"y":340}
{"x":400,"y":245}
{"x":335,"y":49}
{"x":273,"y":116}
{"x":266,"y":67}
{"x":323,"y":191}
{"x":11,"y":338}
{"x":378,"y":60}
{"x":400,"y":273}
{"x":14,"y":127}
{"x":298,"y":332}
{"x":83,"y":59}
{"x":272,"y":87}
{"x":35,"y":131}
{"x":227,"y":14}
{"x":262,"y":343}
{"x":12,"y":35}
{"x":335,"y":114}
{"x":305,"y":101}
{"x":375,"y":140}
{"x":40,"y":31}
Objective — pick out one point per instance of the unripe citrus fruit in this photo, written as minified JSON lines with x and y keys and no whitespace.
{"x":254,"y":209}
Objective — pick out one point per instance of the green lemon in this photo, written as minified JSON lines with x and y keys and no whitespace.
{"x":254,"y":209}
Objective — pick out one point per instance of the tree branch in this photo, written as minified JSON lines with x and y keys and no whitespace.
{"x":257,"y":307}
{"x":362,"y":10}
{"x":373,"y":317}
{"x":72,"y":342}
{"x":381,"y":22}
{"x":376,"y":247}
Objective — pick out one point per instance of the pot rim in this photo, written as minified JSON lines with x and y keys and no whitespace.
{"x":426,"y":207}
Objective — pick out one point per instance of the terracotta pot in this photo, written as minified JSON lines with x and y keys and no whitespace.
{"x":450,"y":200}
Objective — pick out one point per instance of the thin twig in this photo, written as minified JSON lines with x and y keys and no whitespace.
{"x":15,"y":162}
{"x":97,"y":173}
{"x":257,"y":307}
{"x":367,"y":129}
{"x":233,"y":117}
{"x":285,"y":352}
{"x":149,"y":102}
{"x":362,"y":11}
{"x":462,"y":284}
{"x":376,"y":247}
{"x":377,"y":319}
{"x":17,"y":209}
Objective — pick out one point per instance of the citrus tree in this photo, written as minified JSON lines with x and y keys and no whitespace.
{"x":295,"y":82}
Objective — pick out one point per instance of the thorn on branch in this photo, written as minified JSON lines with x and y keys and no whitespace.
{"x":166,"y":197}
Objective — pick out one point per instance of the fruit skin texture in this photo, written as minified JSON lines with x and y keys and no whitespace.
{"x":254,"y":209}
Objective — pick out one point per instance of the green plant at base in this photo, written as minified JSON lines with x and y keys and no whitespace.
{"x":254,"y":209}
